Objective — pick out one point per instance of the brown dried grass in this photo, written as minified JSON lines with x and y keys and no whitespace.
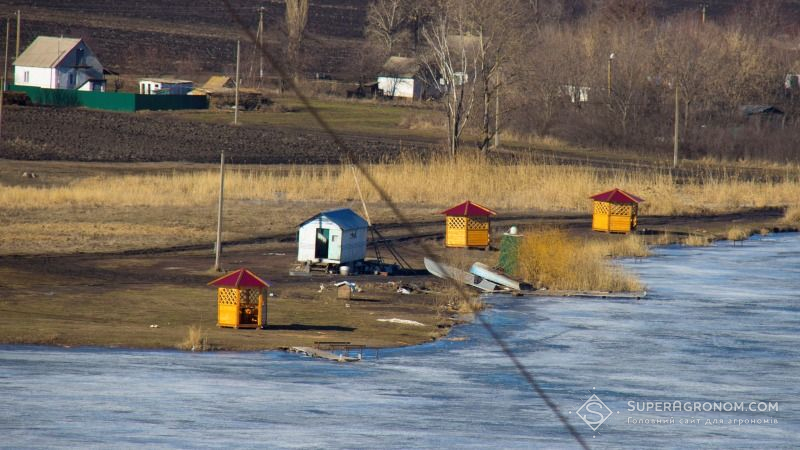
{"x":437,"y":182}
{"x":551,"y":258}
{"x":196,"y":340}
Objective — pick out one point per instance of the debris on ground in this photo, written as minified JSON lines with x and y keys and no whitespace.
{"x":353,"y":287}
{"x":403,"y":321}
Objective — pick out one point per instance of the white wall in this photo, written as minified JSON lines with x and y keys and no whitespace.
{"x":354,"y":246}
{"x":307,"y":241}
{"x":149,"y":87}
{"x":396,"y":87}
{"x":344,"y":246}
{"x":37,"y":76}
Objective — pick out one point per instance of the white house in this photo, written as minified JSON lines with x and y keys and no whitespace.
{"x":338,"y":236}
{"x":149,"y":86}
{"x":59,"y":63}
{"x":400,"y":77}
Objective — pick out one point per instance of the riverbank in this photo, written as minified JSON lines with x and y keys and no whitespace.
{"x":152,"y":298}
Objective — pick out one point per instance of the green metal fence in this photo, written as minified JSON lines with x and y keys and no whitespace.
{"x":112,"y":101}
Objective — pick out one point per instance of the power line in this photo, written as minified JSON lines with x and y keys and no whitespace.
{"x":410,"y":227}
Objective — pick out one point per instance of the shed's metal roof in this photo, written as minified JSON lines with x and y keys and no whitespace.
{"x":346,"y":218}
{"x":400,"y":66}
{"x":166,"y":80}
{"x":46,"y":51}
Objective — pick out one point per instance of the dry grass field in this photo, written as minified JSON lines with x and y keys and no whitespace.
{"x":109,"y":210}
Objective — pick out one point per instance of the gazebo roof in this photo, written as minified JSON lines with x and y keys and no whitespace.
{"x":469,"y":209}
{"x":616,"y":195}
{"x":238,"y":279}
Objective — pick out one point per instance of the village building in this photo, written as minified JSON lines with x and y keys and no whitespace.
{"x":335,"y":237}
{"x":401,"y":78}
{"x":216,"y":84}
{"x":59,"y":63}
{"x":165,"y":86}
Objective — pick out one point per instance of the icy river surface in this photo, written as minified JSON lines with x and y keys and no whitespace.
{"x":718,"y":329}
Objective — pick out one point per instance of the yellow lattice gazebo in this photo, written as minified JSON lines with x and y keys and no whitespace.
{"x":615,"y":211}
{"x":467,"y":225}
{"x":241,"y":300}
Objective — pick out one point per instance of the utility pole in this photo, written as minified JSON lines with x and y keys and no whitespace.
{"x":19,"y":27}
{"x":5,"y":66}
{"x":5,"y":60}
{"x":236,"y":96}
{"x":610,"y":59}
{"x":677,"y":118}
{"x":218,"y":247}
{"x":261,"y":46}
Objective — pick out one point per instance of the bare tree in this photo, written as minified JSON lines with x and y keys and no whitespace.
{"x":498,"y":32}
{"x":386,"y":23}
{"x":296,"y":19}
{"x":450,"y":61}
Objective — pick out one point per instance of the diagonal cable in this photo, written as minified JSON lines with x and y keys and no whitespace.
{"x":410,"y":227}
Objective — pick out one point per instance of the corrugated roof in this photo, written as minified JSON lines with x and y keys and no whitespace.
{"x":46,"y":51}
{"x":469,"y":209}
{"x":401,"y":66}
{"x":219,"y":82}
{"x":167,"y":80}
{"x":346,"y":218}
{"x":238,"y":279}
{"x":616,"y":196}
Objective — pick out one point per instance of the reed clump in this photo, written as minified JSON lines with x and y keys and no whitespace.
{"x":551,"y":258}
{"x":737,"y":234}
{"x":697,"y":240}
{"x":792,"y":215}
{"x":196,"y":340}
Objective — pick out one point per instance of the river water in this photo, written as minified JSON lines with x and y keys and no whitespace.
{"x":719,"y":325}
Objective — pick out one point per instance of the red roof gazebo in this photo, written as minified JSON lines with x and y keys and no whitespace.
{"x":615,"y":211}
{"x":241,"y":300}
{"x":467,"y":225}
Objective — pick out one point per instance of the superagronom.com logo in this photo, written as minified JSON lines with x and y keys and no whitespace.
{"x":594,"y":412}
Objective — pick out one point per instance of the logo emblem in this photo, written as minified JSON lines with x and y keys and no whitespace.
{"x":594,"y":412}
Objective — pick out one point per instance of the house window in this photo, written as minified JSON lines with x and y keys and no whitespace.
{"x":26,"y":76}
{"x":71,"y":79}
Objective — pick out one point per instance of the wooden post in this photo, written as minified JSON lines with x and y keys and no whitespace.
{"x":218,"y":247}
{"x":677,"y":119}
{"x":236,"y":99}
{"x":5,"y":60}
{"x":261,"y":47}
{"x":19,"y":27}
{"x":5,"y":73}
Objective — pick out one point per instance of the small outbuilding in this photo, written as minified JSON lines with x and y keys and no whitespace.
{"x":241,"y":300}
{"x":335,"y":237}
{"x":165,"y":86}
{"x":467,"y":225}
{"x":615,"y":211}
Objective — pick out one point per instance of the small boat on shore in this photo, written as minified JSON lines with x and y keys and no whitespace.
{"x":447,"y":272}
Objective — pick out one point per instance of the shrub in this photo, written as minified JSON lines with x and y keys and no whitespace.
{"x":551,"y":258}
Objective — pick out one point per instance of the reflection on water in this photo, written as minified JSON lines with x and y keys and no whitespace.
{"x":720,"y":324}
